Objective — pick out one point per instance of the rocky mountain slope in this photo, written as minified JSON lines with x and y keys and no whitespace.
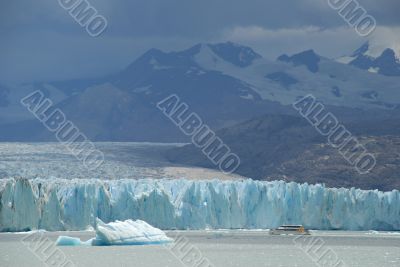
{"x":288,"y":148}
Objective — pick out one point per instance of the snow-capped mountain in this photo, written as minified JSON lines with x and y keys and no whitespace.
{"x":224,"y":83}
{"x":122,"y":106}
{"x":307,"y":58}
{"x":290,"y":77}
{"x":382,"y":61}
{"x":238,"y":55}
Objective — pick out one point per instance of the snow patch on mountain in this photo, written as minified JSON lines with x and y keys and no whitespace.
{"x":157,"y":66}
{"x":345,"y":59}
{"x":236,"y":54}
{"x":373,"y":70}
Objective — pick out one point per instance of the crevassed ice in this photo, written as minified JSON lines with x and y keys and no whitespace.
{"x":181,"y":204}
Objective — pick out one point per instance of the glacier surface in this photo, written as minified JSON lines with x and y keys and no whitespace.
{"x":75,"y":204}
{"x":120,"y":233}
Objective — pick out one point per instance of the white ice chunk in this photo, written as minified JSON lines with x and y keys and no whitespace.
{"x":128,"y":233}
{"x":118,"y":233}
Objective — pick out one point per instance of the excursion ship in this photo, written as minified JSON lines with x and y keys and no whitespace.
{"x":290,"y":230}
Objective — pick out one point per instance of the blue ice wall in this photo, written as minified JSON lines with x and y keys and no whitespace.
{"x":183,"y":204}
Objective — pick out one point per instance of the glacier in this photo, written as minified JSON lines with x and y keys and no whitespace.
{"x":61,"y":204}
{"x":120,"y":233}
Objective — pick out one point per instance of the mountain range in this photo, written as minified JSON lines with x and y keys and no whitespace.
{"x":246,"y":97}
{"x":224,"y":83}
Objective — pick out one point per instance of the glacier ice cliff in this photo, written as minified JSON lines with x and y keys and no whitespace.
{"x":61,"y":204}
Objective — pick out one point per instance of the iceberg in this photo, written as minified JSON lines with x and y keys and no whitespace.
{"x":72,"y":241}
{"x":119,"y":233}
{"x":61,"y":204}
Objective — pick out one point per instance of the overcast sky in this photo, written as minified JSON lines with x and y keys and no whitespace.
{"x":41,"y":41}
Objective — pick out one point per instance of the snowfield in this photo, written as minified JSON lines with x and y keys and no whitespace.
{"x":126,"y":160}
{"x":61,"y":204}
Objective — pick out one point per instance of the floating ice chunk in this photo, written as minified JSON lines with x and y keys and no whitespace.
{"x":128,"y":233}
{"x":71,"y":241}
{"x":120,"y":233}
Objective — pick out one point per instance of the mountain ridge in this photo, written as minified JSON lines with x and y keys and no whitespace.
{"x":225,"y":83}
{"x":386,"y":62}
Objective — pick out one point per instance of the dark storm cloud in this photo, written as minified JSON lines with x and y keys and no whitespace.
{"x":191,"y":18}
